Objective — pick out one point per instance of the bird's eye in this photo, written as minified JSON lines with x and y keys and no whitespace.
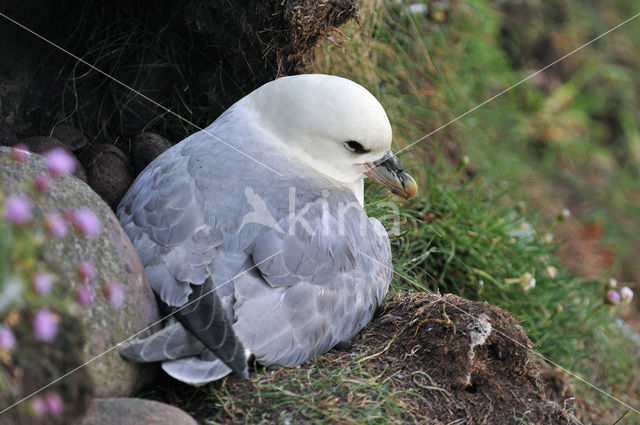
{"x":356,"y":147}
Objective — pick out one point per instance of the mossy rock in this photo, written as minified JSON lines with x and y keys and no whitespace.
{"x":114,"y":258}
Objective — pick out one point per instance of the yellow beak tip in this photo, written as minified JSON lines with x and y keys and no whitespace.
{"x":412,"y":189}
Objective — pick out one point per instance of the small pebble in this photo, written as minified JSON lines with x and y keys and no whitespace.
{"x":108,"y":172}
{"x":146,"y":147}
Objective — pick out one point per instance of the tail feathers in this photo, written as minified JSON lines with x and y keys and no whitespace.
{"x":195,"y":371}
{"x":172,"y":342}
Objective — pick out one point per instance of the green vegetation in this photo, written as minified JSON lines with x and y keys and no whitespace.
{"x":318,"y":392}
{"x":494,"y":181}
{"x":493,"y":185}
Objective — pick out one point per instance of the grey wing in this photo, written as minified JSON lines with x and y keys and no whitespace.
{"x":318,"y":290}
{"x":164,"y":215}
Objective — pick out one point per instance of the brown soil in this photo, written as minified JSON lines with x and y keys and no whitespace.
{"x":423,"y":344}
{"x":493,"y":382}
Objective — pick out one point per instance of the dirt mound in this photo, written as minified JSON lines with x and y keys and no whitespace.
{"x":426,"y":358}
{"x":470,"y":361}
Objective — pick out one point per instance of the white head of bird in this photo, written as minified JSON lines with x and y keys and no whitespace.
{"x":335,"y":126}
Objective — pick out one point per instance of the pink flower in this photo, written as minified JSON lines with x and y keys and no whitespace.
{"x":612,"y":297}
{"x":87,"y":222}
{"x":39,"y":407}
{"x":42,"y":283}
{"x":84,"y":295}
{"x":56,"y":225}
{"x":18,"y":209}
{"x":7,"y":339}
{"x":20,"y":152}
{"x":87,"y":271}
{"x":43,"y":182}
{"x":54,"y":403}
{"x":59,"y":162}
{"x":45,"y":325}
{"x":626,"y":294}
{"x":115,"y":294}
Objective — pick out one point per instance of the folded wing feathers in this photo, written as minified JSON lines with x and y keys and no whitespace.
{"x":205,"y":317}
{"x":172,"y":342}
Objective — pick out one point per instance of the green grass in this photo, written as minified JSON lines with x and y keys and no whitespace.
{"x":321,"y":391}
{"x":464,"y":233}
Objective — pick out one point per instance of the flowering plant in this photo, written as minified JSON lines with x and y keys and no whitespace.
{"x":36,"y":306}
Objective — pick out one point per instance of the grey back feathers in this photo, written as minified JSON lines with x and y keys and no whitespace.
{"x":241,"y":274}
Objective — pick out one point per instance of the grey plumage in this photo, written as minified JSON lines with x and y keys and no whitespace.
{"x":282,"y":293}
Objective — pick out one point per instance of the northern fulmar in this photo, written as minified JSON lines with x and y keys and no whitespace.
{"x":253,"y":235}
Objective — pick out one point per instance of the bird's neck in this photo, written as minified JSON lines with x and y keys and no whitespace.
{"x":358,"y":190}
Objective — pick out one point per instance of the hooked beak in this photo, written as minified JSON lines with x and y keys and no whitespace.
{"x":389,"y":171}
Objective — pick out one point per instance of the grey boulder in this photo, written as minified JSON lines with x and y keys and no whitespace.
{"x":115,"y":260}
{"x":133,"y":411}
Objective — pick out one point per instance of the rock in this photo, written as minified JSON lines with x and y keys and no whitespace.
{"x":108,"y":172}
{"x":42,"y":145}
{"x":134,"y":411}
{"x":71,"y":137}
{"x":145,"y":148}
{"x":114,"y":258}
